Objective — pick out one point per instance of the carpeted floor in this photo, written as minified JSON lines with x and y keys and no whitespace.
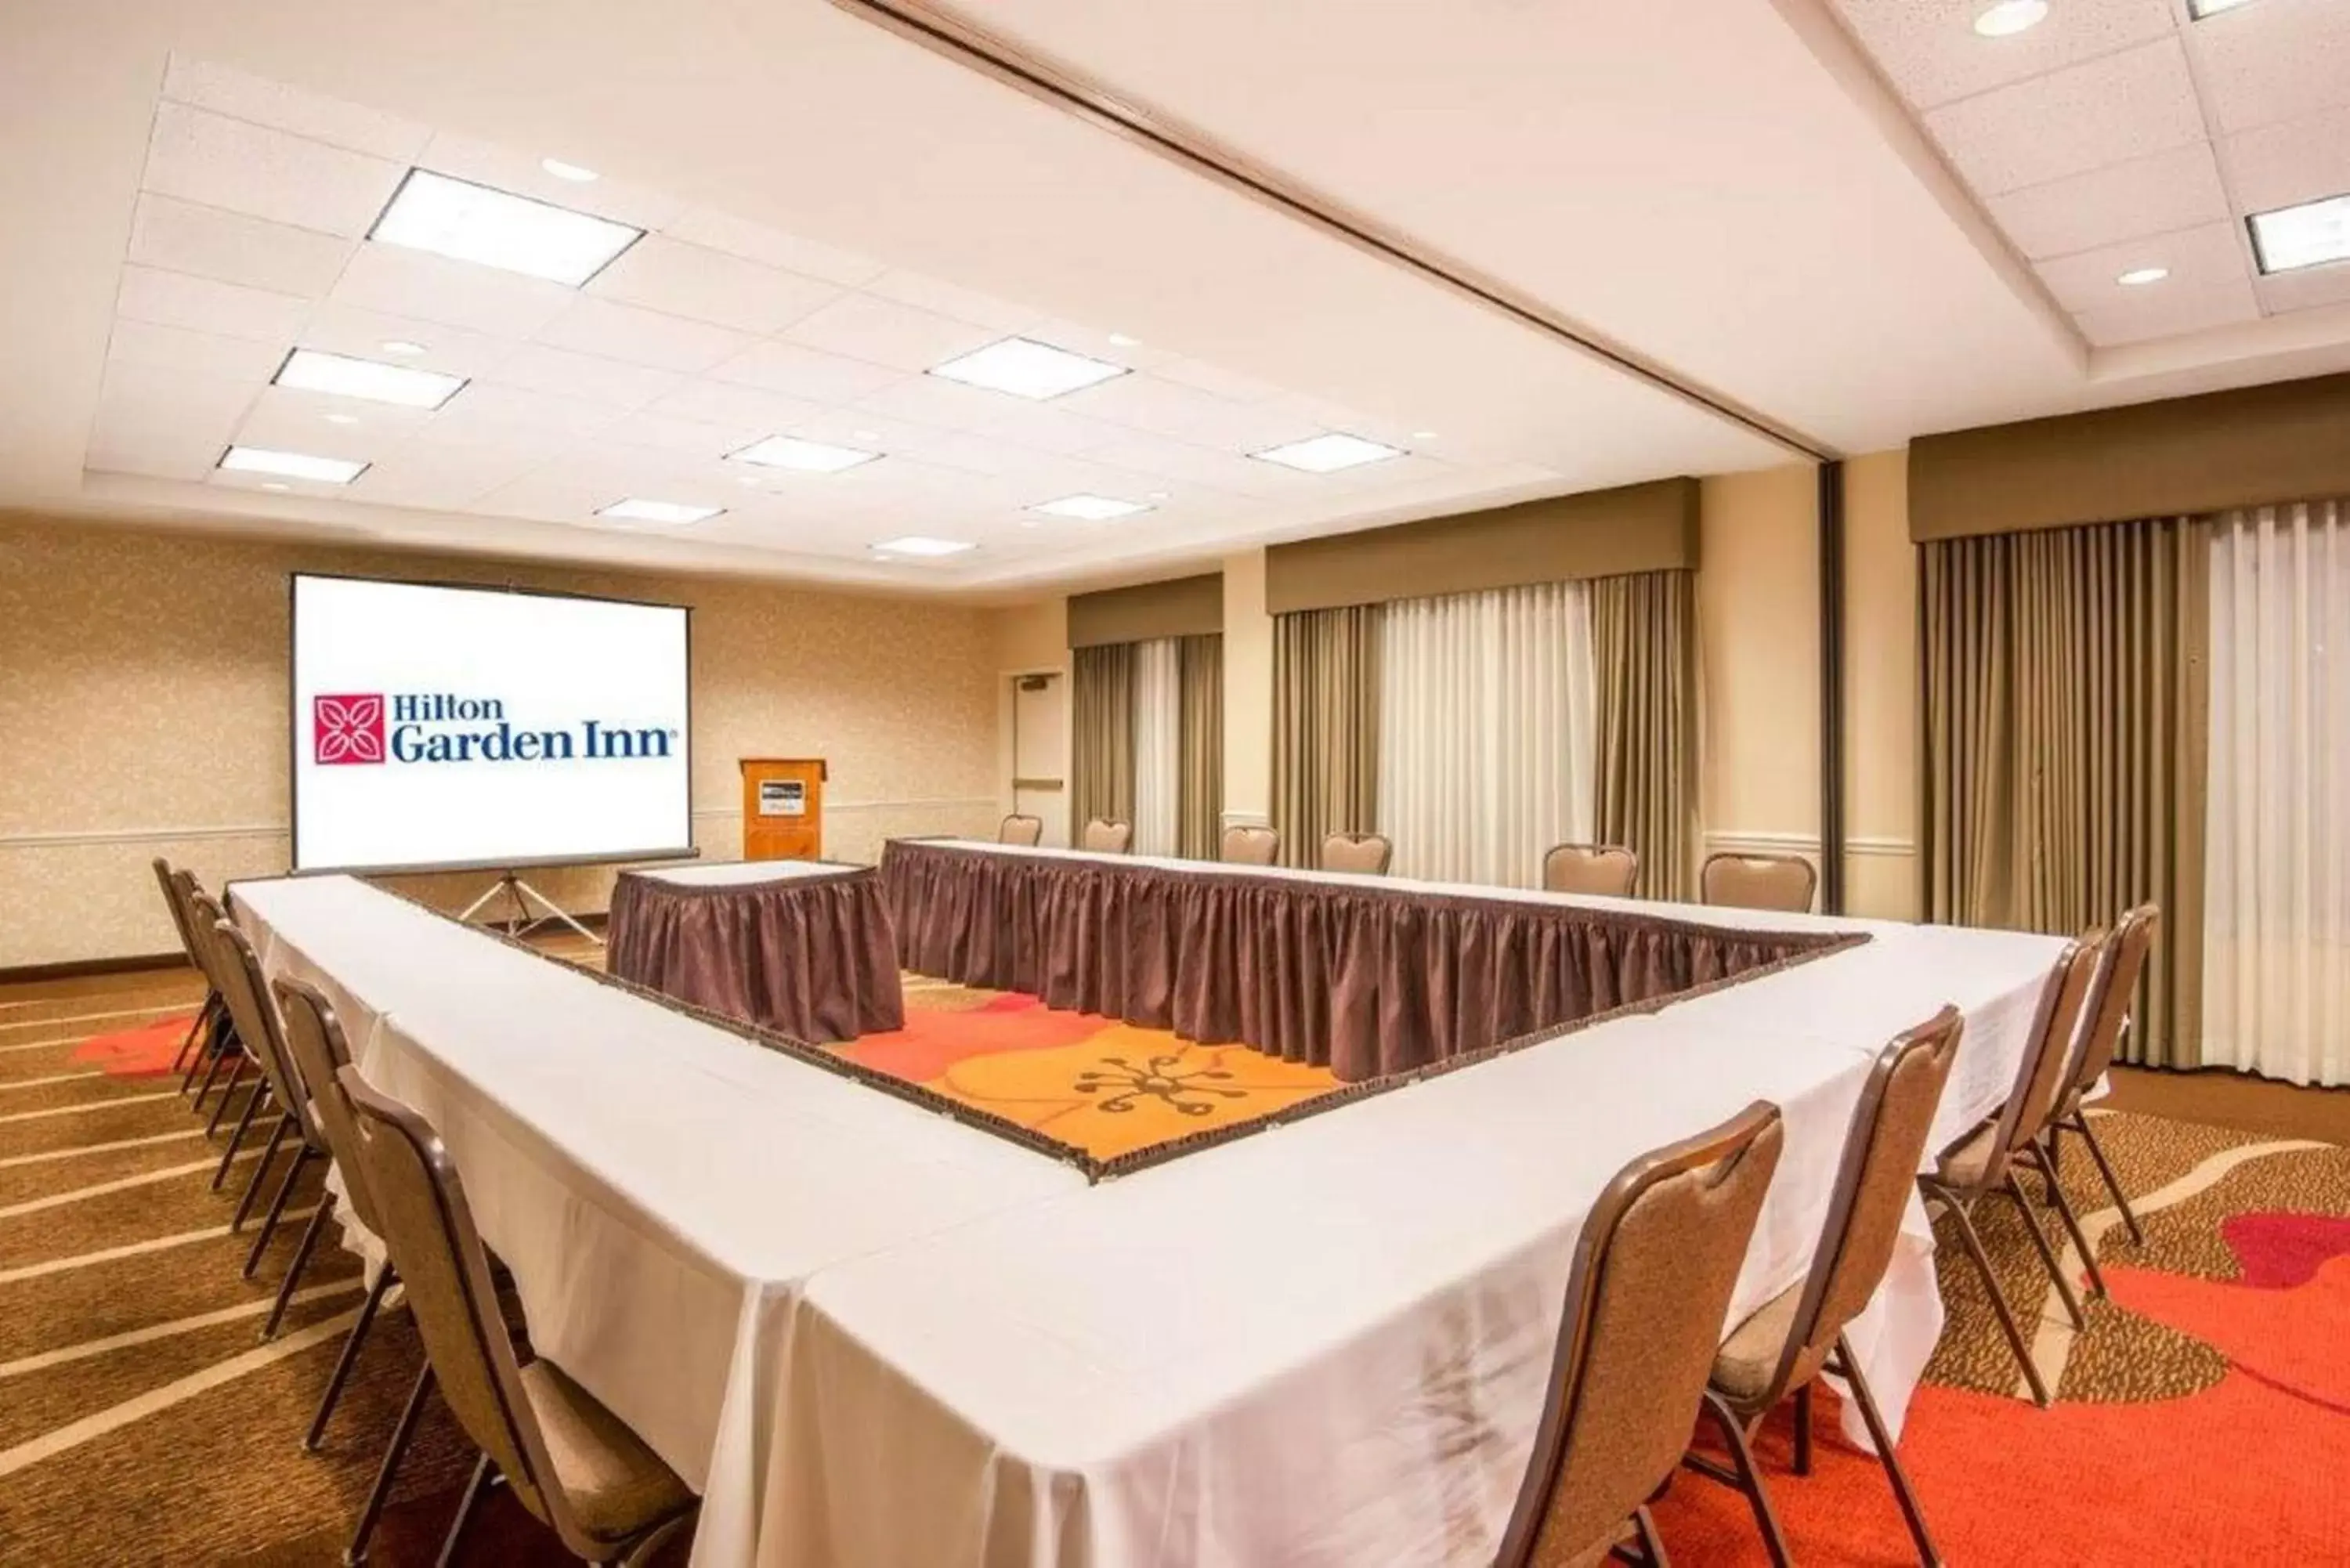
{"x":2204,"y":1417}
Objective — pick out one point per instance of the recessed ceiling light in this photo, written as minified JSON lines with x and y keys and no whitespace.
{"x":1328,"y":454}
{"x":865,"y":435}
{"x":1423,"y":435}
{"x":2139,"y":276}
{"x":805,"y":456}
{"x":275,"y":485}
{"x":917,"y":544}
{"x":751,"y":479}
{"x":2198,"y":9}
{"x":472,"y":222}
{"x":402,"y":346}
{"x":1027,"y":369}
{"x":2310,"y":234}
{"x":1123,"y":341}
{"x":571,"y":171}
{"x":308,"y":371}
{"x":2009,"y":18}
{"x":632,"y":510}
{"x":1160,"y":495}
{"x":1090,"y":508}
{"x":292,"y":464}
{"x":342,"y":419}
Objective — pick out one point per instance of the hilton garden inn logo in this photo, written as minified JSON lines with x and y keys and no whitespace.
{"x":433,"y":727}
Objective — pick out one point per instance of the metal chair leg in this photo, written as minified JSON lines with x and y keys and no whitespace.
{"x":642,"y":1553}
{"x":260,"y":1171}
{"x":310,"y":1232}
{"x":380,"y":1493}
{"x":1803,"y":1431}
{"x":1650,"y":1542}
{"x":384,"y":1280}
{"x":1749,"y":1479}
{"x":1973,"y":1244}
{"x":189,"y":1058}
{"x":219,"y":1059}
{"x":1849,"y":1369}
{"x":2013,"y":1189}
{"x":2113,"y":1183}
{"x":465,"y":1507}
{"x":276,"y":1210}
{"x":2064,"y":1211}
{"x":235,"y":1076}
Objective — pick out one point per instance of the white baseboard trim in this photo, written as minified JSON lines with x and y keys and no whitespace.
{"x":1735,"y":842}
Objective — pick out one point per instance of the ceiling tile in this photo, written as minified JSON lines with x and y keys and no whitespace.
{"x":264,"y":173}
{"x":2169,"y":315}
{"x":945,"y":405}
{"x":363,"y":334}
{"x":1146,"y":402}
{"x":2199,"y":260}
{"x":483,"y":406}
{"x":2299,"y":161}
{"x":686,"y":438}
{"x":2175,"y":190}
{"x":866,"y":432}
{"x":1208,"y":377}
{"x":446,"y":477}
{"x":883,"y":332}
{"x":398,"y":281}
{"x":2306,"y":289}
{"x":229,"y":247}
{"x":1096,"y":343}
{"x":753,"y":242}
{"x":1934,"y":55}
{"x":289,"y":419}
{"x":197,"y":353}
{"x":203,"y":85}
{"x":2083,"y":117}
{"x":926,"y":293}
{"x":722,"y":403}
{"x":661,"y":274}
{"x":1052,"y":430}
{"x":544,"y":369}
{"x":2277,"y":60}
{"x":649,"y":338}
{"x":801,"y":372}
{"x":522,"y":174}
{"x":202,"y":304}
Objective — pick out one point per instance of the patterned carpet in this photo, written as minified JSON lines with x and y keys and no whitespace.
{"x":2204,"y":1417}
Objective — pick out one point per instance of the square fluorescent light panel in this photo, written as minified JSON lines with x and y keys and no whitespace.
{"x":804,"y":456}
{"x":2198,"y":9}
{"x":2310,"y":234}
{"x":313,"y":371}
{"x":1328,"y":454}
{"x":291,"y":465}
{"x":1026,"y":369}
{"x":470,"y":222}
{"x":917,"y":544}
{"x":1090,"y":508}
{"x":633,"y":510}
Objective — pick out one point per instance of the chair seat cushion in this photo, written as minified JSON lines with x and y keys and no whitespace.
{"x":618,"y":1487}
{"x":1743,"y":1367}
{"x":1966,"y":1163}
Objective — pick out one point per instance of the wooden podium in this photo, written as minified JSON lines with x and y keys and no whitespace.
{"x":783,"y":808}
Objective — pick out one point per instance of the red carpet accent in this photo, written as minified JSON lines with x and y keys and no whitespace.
{"x":145,"y":1053}
{"x":934,"y":1040}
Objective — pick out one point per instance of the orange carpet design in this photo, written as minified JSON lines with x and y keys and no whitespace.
{"x":146,"y":1051}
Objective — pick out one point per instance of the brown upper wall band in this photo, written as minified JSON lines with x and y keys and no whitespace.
{"x":1648,"y":527}
{"x":1181,"y":607}
{"x":2288,"y":441}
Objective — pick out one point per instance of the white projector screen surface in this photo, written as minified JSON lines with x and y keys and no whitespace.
{"x":480,"y":728}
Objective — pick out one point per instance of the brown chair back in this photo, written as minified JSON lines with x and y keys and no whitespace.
{"x":1654,"y":1271}
{"x":1103,"y":836}
{"x":1251,"y":845}
{"x":1022,"y":830}
{"x":320,"y":1050}
{"x":174,"y":900}
{"x":2041,"y":1080}
{"x":2117,"y":992}
{"x":1596,"y":870}
{"x":1874,"y":1185}
{"x":1368,"y":853}
{"x":1784,"y":883}
{"x":236,"y":970}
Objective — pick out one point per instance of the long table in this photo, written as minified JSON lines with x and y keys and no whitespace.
{"x":871,"y":1334}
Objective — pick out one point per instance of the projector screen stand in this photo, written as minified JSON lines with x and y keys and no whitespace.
{"x":522,"y":922}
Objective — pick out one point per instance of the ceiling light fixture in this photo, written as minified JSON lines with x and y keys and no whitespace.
{"x":308,"y":371}
{"x":1328,"y":454}
{"x":633,"y":510}
{"x":1027,"y":369}
{"x":342,"y":419}
{"x":1423,"y":435}
{"x":571,"y":171}
{"x":2009,"y":18}
{"x":1123,"y":341}
{"x":2310,"y":234}
{"x":291,"y":464}
{"x":470,"y":222}
{"x":865,"y":435}
{"x":918,"y":545}
{"x":804,"y":456}
{"x":2198,"y":9}
{"x":2139,"y":276}
{"x":1160,"y":495}
{"x":1090,"y":508}
{"x":275,"y":485}
{"x":402,"y":346}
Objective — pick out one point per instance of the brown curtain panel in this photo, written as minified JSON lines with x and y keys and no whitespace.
{"x":2067,"y":720}
{"x":1200,"y":791}
{"x":1101,"y":739}
{"x":1644,"y":648}
{"x":1326,"y":727}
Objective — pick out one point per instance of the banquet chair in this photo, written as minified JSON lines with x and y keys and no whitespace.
{"x":1250,"y":843}
{"x":1799,"y":1334}
{"x":201,"y":1038}
{"x":1783,"y":883}
{"x":1599,"y":870}
{"x":576,"y":1467}
{"x":1024,"y":831}
{"x":225,"y":1050}
{"x":1103,"y":836}
{"x":1368,"y":853}
{"x":1655,"y":1266}
{"x":204,"y":917}
{"x":2100,"y":1038}
{"x":1984,"y":1161}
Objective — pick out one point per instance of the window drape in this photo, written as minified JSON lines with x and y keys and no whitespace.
{"x":1200,"y":669}
{"x":1644,"y":650}
{"x":1486,"y":726}
{"x":1158,"y":747}
{"x":1326,"y":726}
{"x":2276,"y":992}
{"x":2061,"y":759}
{"x":1101,"y":735}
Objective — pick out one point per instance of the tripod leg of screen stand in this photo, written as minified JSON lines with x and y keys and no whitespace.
{"x":522,"y":922}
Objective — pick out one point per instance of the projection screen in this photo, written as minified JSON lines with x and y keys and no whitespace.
{"x":438,"y":727}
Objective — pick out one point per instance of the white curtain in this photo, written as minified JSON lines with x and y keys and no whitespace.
{"x":1487,"y":719}
{"x":1158,"y":747}
{"x":2276,"y":973}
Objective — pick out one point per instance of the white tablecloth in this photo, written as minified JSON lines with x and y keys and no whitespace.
{"x":873,"y":1336}
{"x":747,"y":873}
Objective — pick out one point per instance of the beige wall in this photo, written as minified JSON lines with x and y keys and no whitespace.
{"x":1248,"y":692}
{"x":1880,"y":690}
{"x":143,"y":712}
{"x":1030,"y":639}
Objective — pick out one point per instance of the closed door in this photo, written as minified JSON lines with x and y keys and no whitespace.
{"x":1040,"y":748}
